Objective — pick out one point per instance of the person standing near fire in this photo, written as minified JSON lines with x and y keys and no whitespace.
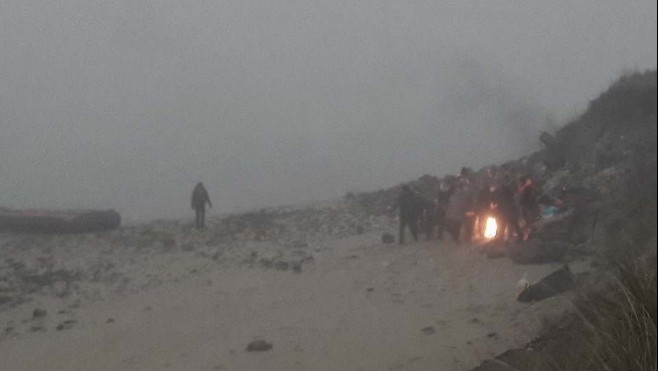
{"x":446,"y":189}
{"x":457,"y":208}
{"x":200,"y":198}
{"x":410,"y":207}
{"x":528,"y":199}
{"x":506,"y":210}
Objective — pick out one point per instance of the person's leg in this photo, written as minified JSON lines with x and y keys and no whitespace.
{"x":516,"y":228}
{"x":403,"y":224}
{"x":197,"y":217}
{"x":454,"y":228}
{"x":469,"y":224}
{"x":530,"y":215}
{"x":500,"y":232}
{"x":203,"y":217}
{"x":482,"y":223}
{"x":413,"y":226}
{"x":429,"y":227}
{"x":440,"y":225}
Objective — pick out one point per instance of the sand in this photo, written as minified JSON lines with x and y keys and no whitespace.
{"x":345,"y":303}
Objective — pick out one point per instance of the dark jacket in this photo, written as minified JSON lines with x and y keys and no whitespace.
{"x":200,"y":197}
{"x":410,"y":205}
{"x":504,"y":199}
{"x":458,"y":205}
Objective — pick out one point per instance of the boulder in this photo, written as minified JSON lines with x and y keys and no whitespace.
{"x":259,"y":346}
{"x":388,"y":238}
{"x":494,"y":365}
{"x":555,"y":283}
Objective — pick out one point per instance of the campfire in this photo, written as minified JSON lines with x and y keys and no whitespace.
{"x":490,"y":228}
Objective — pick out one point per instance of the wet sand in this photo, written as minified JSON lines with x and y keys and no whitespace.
{"x":356,"y":304}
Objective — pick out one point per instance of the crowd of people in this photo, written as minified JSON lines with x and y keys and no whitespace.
{"x":463,"y":203}
{"x":460,"y":207}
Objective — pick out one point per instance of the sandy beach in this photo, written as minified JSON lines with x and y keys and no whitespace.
{"x":343,"y":303}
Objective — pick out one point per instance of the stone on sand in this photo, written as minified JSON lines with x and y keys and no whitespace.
{"x":388,"y":238}
{"x":259,"y":346}
{"x":551,"y":285}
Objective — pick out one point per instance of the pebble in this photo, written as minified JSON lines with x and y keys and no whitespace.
{"x":259,"y":346}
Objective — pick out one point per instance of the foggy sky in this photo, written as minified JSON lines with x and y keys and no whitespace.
{"x":127,"y":104}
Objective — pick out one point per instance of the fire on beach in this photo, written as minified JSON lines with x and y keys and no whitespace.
{"x":490,"y":228}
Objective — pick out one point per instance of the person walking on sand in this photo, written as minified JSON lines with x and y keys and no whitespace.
{"x":200,"y":198}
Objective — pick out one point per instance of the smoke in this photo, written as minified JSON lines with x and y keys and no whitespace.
{"x":497,"y":112}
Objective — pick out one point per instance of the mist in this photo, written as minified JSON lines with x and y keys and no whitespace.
{"x":127,"y":104}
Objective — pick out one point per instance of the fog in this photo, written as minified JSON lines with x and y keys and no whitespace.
{"x":127,"y":104}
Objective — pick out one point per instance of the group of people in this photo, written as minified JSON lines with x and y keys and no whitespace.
{"x":465,"y":202}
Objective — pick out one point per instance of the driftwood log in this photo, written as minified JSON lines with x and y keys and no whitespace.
{"x":48,"y":221}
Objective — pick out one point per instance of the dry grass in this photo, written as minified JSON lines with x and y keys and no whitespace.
{"x":615,"y":330}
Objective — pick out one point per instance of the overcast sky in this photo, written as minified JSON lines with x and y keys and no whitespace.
{"x":127,"y":104}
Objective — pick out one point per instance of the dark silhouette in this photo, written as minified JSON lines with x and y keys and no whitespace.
{"x":529,"y":203}
{"x":446,"y":189}
{"x":200,"y":198}
{"x":457,"y":207}
{"x":506,"y":212}
{"x":410,"y":211}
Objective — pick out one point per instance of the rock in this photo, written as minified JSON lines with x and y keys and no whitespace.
{"x":554,"y":182}
{"x":259,"y":346}
{"x":299,"y":244}
{"x":494,"y":249}
{"x":297,"y":268}
{"x":429,"y":330}
{"x":388,"y":238}
{"x":66,"y":325}
{"x":522,"y":359}
{"x":281,"y":266}
{"x":559,"y":227}
{"x":38,"y":313}
{"x":494,"y":365}
{"x":360,"y":229}
{"x":551,"y":285}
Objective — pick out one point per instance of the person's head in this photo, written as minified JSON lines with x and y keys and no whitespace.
{"x":492,"y":187}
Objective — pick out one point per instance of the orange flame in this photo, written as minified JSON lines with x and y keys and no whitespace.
{"x":491,"y":228}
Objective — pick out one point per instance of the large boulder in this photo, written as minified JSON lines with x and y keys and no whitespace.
{"x":555,"y":283}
